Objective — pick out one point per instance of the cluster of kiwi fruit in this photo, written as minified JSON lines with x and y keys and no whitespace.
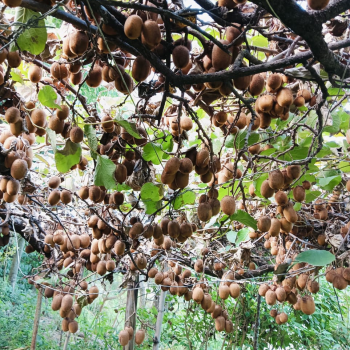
{"x":339,"y":277}
{"x":98,"y":194}
{"x":4,"y":234}
{"x":9,"y":188}
{"x":127,"y":334}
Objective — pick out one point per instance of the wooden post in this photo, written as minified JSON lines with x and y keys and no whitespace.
{"x":36,"y":320}
{"x":130,"y":310}
{"x":142,"y":290}
{"x":66,"y":341}
{"x":16,"y":261}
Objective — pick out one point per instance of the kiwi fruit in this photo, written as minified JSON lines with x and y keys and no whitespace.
{"x":307,"y":185}
{"x":125,"y":86}
{"x":78,"y":42}
{"x":286,"y":226}
{"x":263,"y":288}
{"x":14,"y":59}
{"x":133,"y":27}
{"x":270,"y":297}
{"x":299,"y":101}
{"x":19,"y":169}
{"x":140,"y":69}
{"x":12,"y":187}
{"x":293,"y":171}
{"x":256,"y":85}
{"x":34,"y":73}
{"x":224,"y":291}
{"x":172,"y":166}
{"x":220,"y":323}
{"x":316,"y":5}
{"x":186,"y":123}
{"x":202,"y":158}
{"x":140,"y":336}
{"x":284,"y":97}
{"x":242,"y":83}
{"x":264,"y":223}
{"x":265,"y":190}
{"x":56,"y":124}
{"x":76,"y":79}
{"x":94,"y":77}
{"x":151,"y":33}
{"x":76,"y":134}
{"x":219,"y":58}
{"x":264,"y":103}
{"x":255,"y":122}
{"x":274,"y":82}
{"x":66,"y":196}
{"x":197,"y":295}
{"x":13,"y":115}
{"x":124,"y":337}
{"x":228,"y":205}
{"x":62,"y":113}
{"x":275,"y":227}
{"x":204,"y":212}
{"x":281,"y":294}
{"x":299,"y":193}
{"x":181,"y":56}
{"x":74,"y":67}
{"x":307,"y":305}
{"x":290,"y":214}
{"x":339,"y":282}
{"x":3,"y":54}
{"x":59,"y":71}
{"x":276,"y":179}
{"x":232,"y":33}
{"x":281,"y":198}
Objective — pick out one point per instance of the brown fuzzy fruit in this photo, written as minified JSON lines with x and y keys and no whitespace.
{"x":94,"y":77}
{"x":275,"y":227}
{"x":276,"y":179}
{"x":339,"y":282}
{"x":35,"y":73}
{"x":204,"y":212}
{"x":62,"y":113}
{"x":263,"y":289}
{"x":140,"y":69}
{"x":281,"y":294}
{"x":19,"y":169}
{"x":307,"y":305}
{"x":14,"y":59}
{"x":181,"y":56}
{"x":140,"y":336}
{"x":264,"y":223}
{"x":299,"y":193}
{"x":256,"y":85}
{"x":124,"y":337}
{"x":228,"y":205}
{"x":232,"y":33}
{"x":317,"y":5}
{"x":265,"y":189}
{"x":12,"y":115}
{"x":172,"y":166}
{"x":235,"y":290}
{"x":198,"y":295}
{"x":78,"y":42}
{"x":284,"y":97}
{"x":281,"y":198}
{"x":66,"y":196}
{"x":151,"y":33}
{"x":270,"y":297}
{"x":274,"y":82}
{"x":220,"y":59}
{"x":59,"y":71}
{"x":133,"y":27}
{"x":224,"y":291}
{"x":76,"y":134}
{"x":220,"y":323}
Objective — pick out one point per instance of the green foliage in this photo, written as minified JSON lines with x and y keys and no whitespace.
{"x":150,"y":191}
{"x":244,"y":218}
{"x":315,"y":257}
{"x":33,"y":39}
{"x":68,"y":156}
{"x":104,"y":172}
{"x":47,"y":96}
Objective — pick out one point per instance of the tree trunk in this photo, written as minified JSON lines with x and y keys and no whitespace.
{"x":36,"y":320}
{"x":16,"y":261}
{"x":130,"y":310}
{"x":66,"y":341}
{"x":142,"y":290}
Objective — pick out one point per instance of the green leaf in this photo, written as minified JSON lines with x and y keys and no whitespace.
{"x":123,"y":187}
{"x":104,"y":173}
{"x":253,"y":138}
{"x":231,"y":236}
{"x":315,"y":257}
{"x":152,"y":207}
{"x":130,"y":127}
{"x":336,"y":121}
{"x":242,"y":235}
{"x":311,"y":196}
{"x":90,"y":133}
{"x":47,"y":96}
{"x":52,"y":137}
{"x":68,"y":156}
{"x":345,"y":119}
{"x":297,"y":206}
{"x":328,"y":183}
{"x":259,"y":40}
{"x":16,"y":76}
{"x":244,"y":218}
{"x":238,"y":140}
{"x":188,"y":197}
{"x":344,"y":167}
{"x":33,"y":39}
{"x":150,"y":191}
{"x":153,"y":152}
